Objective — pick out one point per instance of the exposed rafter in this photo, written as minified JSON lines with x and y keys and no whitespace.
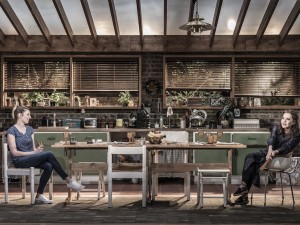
{"x":39,"y":20}
{"x":215,"y":21}
{"x":14,"y":20}
{"x":2,"y":37}
{"x":165,"y":21}
{"x":289,"y":22}
{"x":140,"y":21}
{"x":114,"y":19}
{"x":89,"y":19}
{"x":240,"y":20}
{"x":266,"y":19}
{"x":63,"y":17}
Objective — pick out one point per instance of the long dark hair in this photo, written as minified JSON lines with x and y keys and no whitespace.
{"x":18,"y":109}
{"x":295,"y":126}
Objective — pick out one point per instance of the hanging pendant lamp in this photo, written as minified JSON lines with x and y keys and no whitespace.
{"x":197,"y":24}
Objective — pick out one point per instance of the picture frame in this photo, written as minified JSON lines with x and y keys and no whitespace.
{"x":47,"y":101}
{"x":257,"y":102}
{"x":215,"y":102}
{"x":93,"y":101}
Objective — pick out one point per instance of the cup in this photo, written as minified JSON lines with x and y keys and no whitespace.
{"x":119,"y":122}
{"x":210,"y":139}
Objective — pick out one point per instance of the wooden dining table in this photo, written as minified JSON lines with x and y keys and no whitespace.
{"x":154,"y":165}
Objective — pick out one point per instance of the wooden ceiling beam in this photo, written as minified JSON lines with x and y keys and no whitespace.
{"x":114,"y":19}
{"x":89,"y":20}
{"x":289,"y":22}
{"x":64,"y":20}
{"x":215,"y":21}
{"x":240,"y":20}
{"x":2,"y":37}
{"x":39,"y":20}
{"x":266,"y":19}
{"x":14,"y":20}
{"x":140,"y":21}
{"x":165,"y":21}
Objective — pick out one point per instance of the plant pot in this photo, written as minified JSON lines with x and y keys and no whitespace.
{"x":52,"y":103}
{"x":33,"y":103}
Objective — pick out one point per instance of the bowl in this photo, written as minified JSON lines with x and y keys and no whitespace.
{"x":155,"y":140}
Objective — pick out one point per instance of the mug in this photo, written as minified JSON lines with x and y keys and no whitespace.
{"x":119,"y":122}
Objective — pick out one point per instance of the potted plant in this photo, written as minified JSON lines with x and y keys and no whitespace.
{"x":125,"y":98}
{"x":36,"y":98}
{"x":55,"y":97}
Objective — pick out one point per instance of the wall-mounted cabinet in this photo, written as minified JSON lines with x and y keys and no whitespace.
{"x":257,"y":83}
{"x":82,"y":82}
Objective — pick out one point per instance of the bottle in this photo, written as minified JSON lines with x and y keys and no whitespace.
{"x":161,"y":122}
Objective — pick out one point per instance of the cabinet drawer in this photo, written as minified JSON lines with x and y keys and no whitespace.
{"x":251,"y":139}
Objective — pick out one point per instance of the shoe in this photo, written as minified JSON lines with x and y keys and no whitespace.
{"x":242,"y":200}
{"x":240,"y":191}
{"x":42,"y":200}
{"x":74,"y":185}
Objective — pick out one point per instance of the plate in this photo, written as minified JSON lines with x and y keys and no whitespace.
{"x":152,"y":87}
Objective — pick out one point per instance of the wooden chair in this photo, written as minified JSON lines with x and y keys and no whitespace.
{"x":10,"y":170}
{"x":99,"y":167}
{"x":127,"y":170}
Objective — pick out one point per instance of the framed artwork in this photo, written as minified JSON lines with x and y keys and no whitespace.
{"x":215,"y":102}
{"x":237,"y":112}
{"x":93,"y":101}
{"x":257,"y":102}
{"x":47,"y":101}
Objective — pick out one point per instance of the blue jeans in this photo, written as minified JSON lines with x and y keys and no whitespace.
{"x":45,"y":161}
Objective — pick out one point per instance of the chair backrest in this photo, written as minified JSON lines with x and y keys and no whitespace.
{"x":7,"y":161}
{"x":280,"y":163}
{"x":126,"y":150}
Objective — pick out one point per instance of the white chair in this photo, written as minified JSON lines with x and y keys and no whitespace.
{"x":127,"y":170}
{"x":279,"y":165}
{"x":10,"y":170}
{"x":99,"y":167}
{"x":215,"y":174}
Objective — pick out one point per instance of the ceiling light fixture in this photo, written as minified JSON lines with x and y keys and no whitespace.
{"x":197,"y":24}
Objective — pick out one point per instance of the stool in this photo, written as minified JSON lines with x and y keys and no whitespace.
{"x":202,"y":175}
{"x":100,"y":167}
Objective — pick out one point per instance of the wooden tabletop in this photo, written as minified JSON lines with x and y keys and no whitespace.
{"x":178,"y":145}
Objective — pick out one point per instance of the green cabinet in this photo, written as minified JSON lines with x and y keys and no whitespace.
{"x":209,"y":155}
{"x":85,"y":155}
{"x":254,"y":140}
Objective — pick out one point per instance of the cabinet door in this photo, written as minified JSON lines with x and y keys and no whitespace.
{"x":49,"y":139}
{"x":209,"y":155}
{"x":254,"y":140}
{"x":90,"y":155}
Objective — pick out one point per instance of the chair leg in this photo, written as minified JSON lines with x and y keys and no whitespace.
{"x":153,"y":186}
{"x":282,"y":196}
{"x":31,"y":185}
{"x":51,"y":187}
{"x":23,"y":186}
{"x":224,"y":192}
{"x":103,"y":184}
{"x":144,"y":190}
{"x":201,"y":192}
{"x":109,"y":189}
{"x":291,"y":185}
{"x":198,"y":190}
{"x":266,"y":180}
{"x":6,"y":188}
{"x":99,"y":184}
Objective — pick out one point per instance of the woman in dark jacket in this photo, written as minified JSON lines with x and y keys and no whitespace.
{"x":283,"y":139}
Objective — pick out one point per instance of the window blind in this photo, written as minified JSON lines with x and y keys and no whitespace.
{"x":106,"y":74}
{"x":32,"y":74}
{"x":267,"y":78}
{"x":198,"y":74}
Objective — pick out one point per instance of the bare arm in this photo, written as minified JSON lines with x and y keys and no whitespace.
{"x":11,"y":141}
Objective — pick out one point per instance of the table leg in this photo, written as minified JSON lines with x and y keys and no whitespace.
{"x":229,"y":157}
{"x":70,"y":156}
{"x":187,"y":178}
